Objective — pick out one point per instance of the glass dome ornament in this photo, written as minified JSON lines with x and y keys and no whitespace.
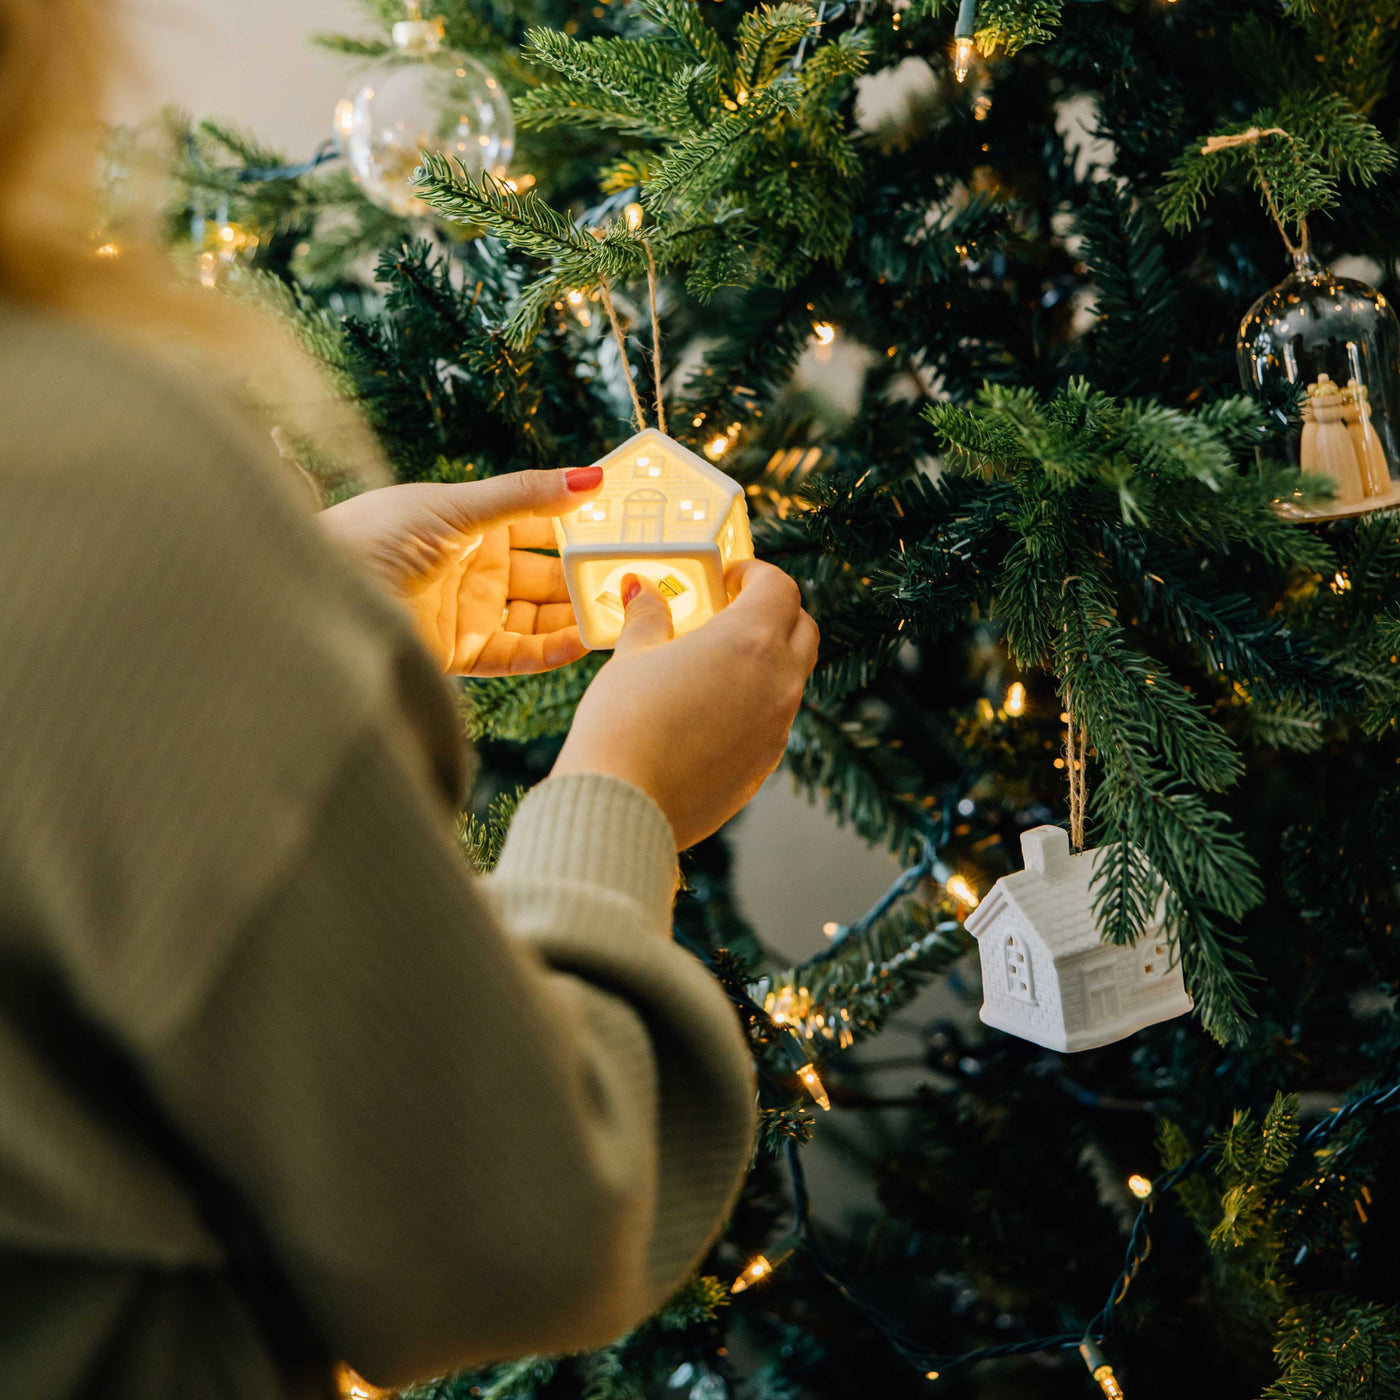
{"x":422,"y":97}
{"x":1340,"y":340}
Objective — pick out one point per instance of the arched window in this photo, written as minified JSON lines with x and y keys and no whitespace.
{"x":1019,"y":981}
{"x":644,"y":516}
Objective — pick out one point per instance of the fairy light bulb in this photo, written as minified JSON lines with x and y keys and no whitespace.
{"x":633,"y":214}
{"x":824,"y":331}
{"x":811,"y":1081}
{"x":958,"y":887}
{"x":1015,"y":703}
{"x":1140,"y":1186}
{"x":964,"y":33}
{"x":759,"y":1269}
{"x":1098,"y":1367}
{"x":763,"y":1264}
{"x":716,"y":448}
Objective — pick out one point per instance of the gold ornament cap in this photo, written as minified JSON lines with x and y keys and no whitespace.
{"x":417,"y":35}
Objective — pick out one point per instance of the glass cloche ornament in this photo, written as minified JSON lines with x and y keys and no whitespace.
{"x":1340,"y":340}
{"x":423,"y":97}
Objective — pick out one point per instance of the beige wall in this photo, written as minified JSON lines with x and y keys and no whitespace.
{"x":244,"y":59}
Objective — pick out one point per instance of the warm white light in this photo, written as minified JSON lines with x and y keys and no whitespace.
{"x":1108,"y":1383}
{"x":824,"y":331}
{"x":633,"y":214}
{"x":671,"y":517}
{"x":108,"y":250}
{"x":962,"y":58}
{"x":575,"y":297}
{"x":226,"y":233}
{"x":344,"y":116}
{"x":760,"y":1268}
{"x":1015,"y":699}
{"x":716,"y":448}
{"x":812,"y":1082}
{"x":1140,"y":1186}
{"x":831,"y":928}
{"x":958,"y":887}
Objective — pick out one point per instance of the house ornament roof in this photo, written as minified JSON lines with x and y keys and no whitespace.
{"x":1051,"y":894}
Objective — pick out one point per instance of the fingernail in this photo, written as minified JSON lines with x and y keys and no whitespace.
{"x":631,"y":586}
{"x":583,"y":478}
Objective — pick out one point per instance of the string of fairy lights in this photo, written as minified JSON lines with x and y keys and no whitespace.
{"x":931,"y":1362}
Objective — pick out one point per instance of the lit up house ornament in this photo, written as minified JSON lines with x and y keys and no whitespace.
{"x":664,"y":514}
{"x":1046,"y":975}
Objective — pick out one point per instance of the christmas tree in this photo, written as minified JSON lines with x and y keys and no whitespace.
{"x":1066,"y":571}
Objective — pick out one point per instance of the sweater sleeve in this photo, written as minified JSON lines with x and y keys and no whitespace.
{"x":471,"y":1126}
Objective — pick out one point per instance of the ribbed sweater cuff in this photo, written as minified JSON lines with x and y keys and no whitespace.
{"x":588,"y":829}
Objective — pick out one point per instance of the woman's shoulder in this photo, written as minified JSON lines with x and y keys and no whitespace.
{"x":78,"y":403}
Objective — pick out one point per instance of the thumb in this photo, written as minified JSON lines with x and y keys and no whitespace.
{"x":514,"y":496}
{"x":648,"y":618}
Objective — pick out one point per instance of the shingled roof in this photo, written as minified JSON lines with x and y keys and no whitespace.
{"x":1051,"y":894}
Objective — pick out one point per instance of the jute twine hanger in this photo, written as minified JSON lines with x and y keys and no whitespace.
{"x":638,"y":413}
{"x":1076,"y":762}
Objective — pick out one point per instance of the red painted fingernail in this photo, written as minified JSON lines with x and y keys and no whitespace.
{"x":583,"y":478}
{"x":631,"y":586}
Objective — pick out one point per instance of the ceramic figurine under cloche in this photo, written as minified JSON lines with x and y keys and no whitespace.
{"x":1340,"y":339}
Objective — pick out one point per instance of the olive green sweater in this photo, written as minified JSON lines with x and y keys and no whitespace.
{"x":280,"y":1080}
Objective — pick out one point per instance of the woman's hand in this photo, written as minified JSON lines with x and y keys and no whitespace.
{"x":459,"y":559}
{"x":698,"y":722}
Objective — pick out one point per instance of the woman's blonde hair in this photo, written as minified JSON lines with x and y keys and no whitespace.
{"x":56,"y":60}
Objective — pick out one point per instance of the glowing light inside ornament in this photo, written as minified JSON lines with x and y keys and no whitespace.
{"x":663,"y":514}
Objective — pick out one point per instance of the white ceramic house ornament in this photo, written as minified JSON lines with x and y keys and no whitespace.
{"x":664,"y":514}
{"x":1046,"y":976}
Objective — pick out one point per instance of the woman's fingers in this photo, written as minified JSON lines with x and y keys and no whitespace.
{"x":806,"y":638}
{"x":533,"y":534}
{"x":518,"y":654}
{"x":537,"y":577}
{"x":760,"y":589}
{"x":537,"y":618}
{"x":515,"y":497}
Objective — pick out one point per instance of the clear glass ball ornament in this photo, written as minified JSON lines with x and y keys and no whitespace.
{"x":1340,"y":339}
{"x":423,"y":97}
